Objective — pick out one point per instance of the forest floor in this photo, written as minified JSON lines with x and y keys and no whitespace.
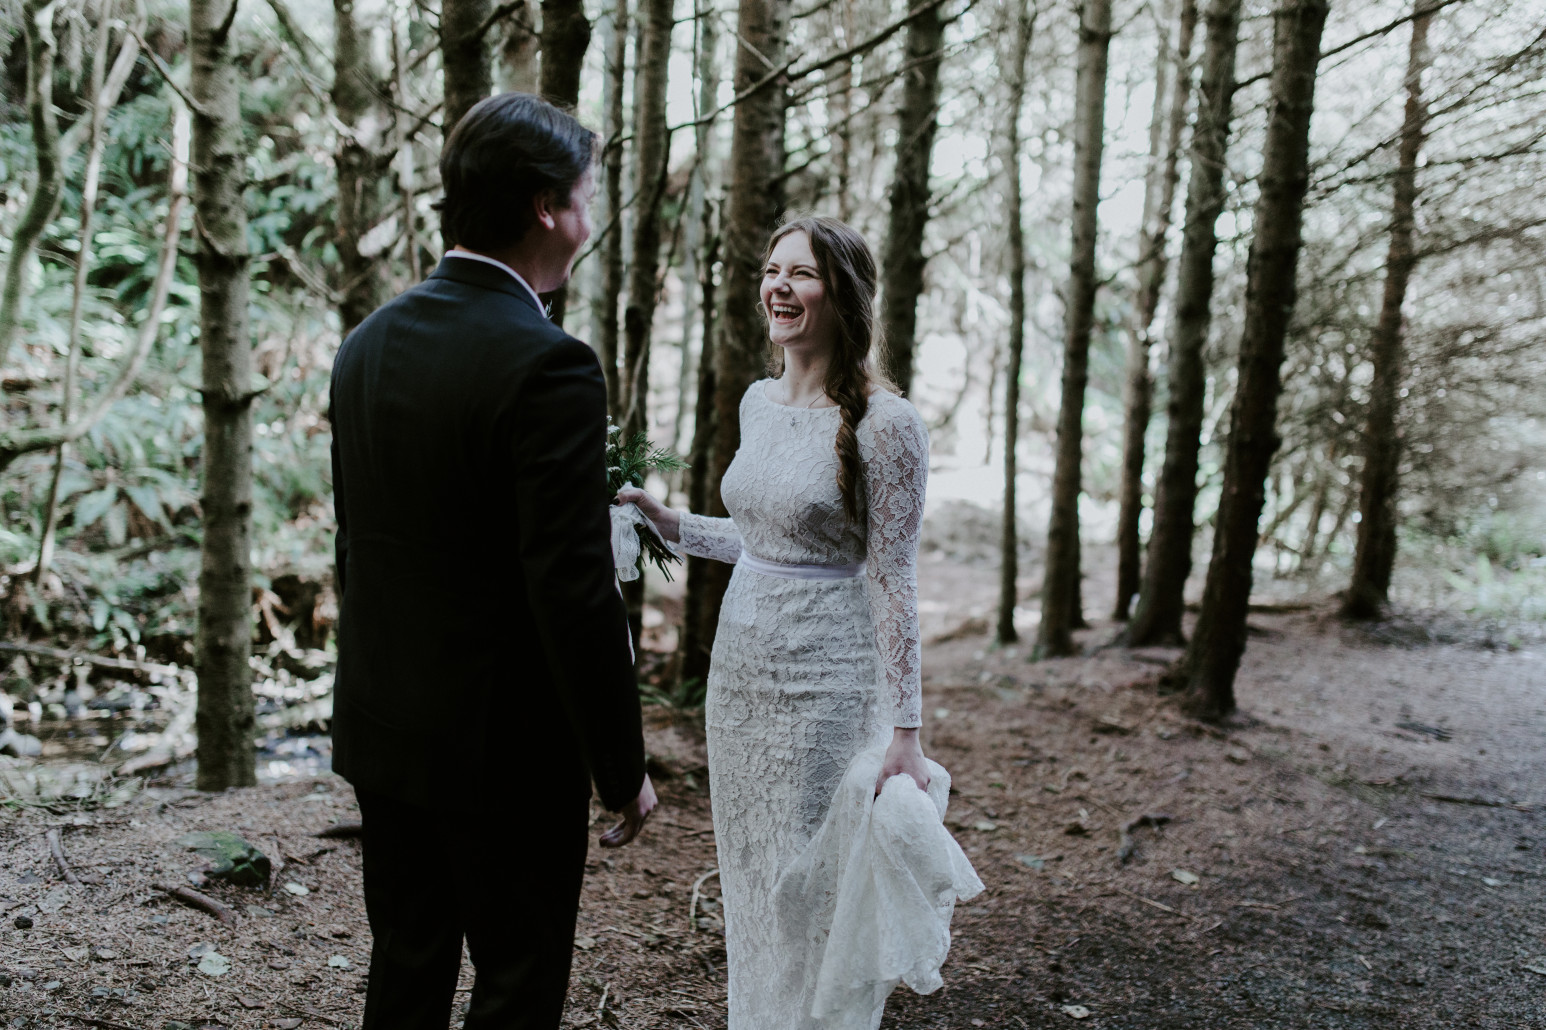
{"x":1362,"y":847}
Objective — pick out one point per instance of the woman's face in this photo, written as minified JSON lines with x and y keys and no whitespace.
{"x":800,"y":314}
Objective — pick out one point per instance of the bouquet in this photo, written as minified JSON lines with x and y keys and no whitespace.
{"x":628,"y":463}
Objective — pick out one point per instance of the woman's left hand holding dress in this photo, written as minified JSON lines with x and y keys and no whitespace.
{"x":894,"y":444}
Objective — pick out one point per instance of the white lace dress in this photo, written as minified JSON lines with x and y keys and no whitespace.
{"x":806,"y":673}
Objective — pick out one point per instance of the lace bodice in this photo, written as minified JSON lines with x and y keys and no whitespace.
{"x":782,"y":495}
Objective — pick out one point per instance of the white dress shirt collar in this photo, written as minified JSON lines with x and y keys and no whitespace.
{"x":470,"y":256}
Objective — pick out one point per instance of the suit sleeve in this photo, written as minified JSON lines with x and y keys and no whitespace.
{"x":341,"y":537}
{"x":559,"y":453}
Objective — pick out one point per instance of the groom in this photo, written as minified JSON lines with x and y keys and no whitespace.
{"x":484,"y":672}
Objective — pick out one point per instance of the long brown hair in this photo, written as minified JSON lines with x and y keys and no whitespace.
{"x":848,"y":270}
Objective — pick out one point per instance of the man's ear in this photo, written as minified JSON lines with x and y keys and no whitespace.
{"x":545,"y":207}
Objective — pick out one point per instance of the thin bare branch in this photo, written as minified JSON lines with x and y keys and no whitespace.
{"x":14,"y":445}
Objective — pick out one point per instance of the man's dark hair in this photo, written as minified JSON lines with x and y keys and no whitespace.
{"x":507,"y":150}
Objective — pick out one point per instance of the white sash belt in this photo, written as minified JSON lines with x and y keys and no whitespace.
{"x":784,"y":571}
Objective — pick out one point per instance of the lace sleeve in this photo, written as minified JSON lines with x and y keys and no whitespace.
{"x":708,"y":537}
{"x":896,"y":469}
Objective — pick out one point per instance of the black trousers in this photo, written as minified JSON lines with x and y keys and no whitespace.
{"x":508,"y":880}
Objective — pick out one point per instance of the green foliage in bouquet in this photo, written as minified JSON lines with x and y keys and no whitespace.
{"x":629,"y":462}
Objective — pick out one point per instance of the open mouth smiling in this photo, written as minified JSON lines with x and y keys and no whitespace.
{"x":783,"y":312}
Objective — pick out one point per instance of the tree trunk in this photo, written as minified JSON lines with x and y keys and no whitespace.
{"x":1369,"y":591}
{"x":403,"y":160}
{"x":1009,"y":563}
{"x":1159,"y":200}
{"x":699,"y":611}
{"x":1214,"y":654}
{"x":464,"y":55}
{"x":609,"y":286}
{"x":902,"y":260}
{"x":843,"y":138}
{"x":356,"y":164}
{"x":756,"y":199}
{"x":652,"y":158}
{"x":1060,"y":604}
{"x":1157,"y":619}
{"x":565,"y":38}
{"x":699,"y":215}
{"x":518,"y":40}
{"x":37,"y":24}
{"x":692,"y":650}
{"x":226,"y":755}
{"x":1312,"y":525}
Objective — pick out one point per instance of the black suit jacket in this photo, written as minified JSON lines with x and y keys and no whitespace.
{"x":482,"y":646}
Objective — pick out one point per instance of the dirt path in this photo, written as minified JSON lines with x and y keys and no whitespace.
{"x":1367,"y":843}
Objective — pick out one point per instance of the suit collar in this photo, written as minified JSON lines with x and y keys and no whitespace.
{"x":487,"y":276}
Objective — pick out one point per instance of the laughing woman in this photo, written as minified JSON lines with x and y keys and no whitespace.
{"x":816,"y":658}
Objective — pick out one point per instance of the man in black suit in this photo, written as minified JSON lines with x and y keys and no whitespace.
{"x":484,"y":670}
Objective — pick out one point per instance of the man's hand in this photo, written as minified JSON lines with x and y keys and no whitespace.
{"x":634,"y":814}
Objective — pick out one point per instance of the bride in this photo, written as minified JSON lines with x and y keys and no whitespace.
{"x":816,"y":657}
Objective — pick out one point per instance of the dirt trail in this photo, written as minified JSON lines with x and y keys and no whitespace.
{"x":1367,"y":843}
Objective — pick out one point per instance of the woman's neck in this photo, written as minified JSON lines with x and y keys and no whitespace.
{"x":805,"y":379}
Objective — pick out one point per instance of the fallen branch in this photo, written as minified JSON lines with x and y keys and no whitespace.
{"x":692,"y":906}
{"x":341,"y":831}
{"x":203,"y":902}
{"x":128,"y":665}
{"x":1480,"y":802}
{"x":308,"y":859}
{"x":1128,"y":846}
{"x":151,"y":761}
{"x":105,"y":1024}
{"x":1153,"y":904}
{"x":56,"y":847}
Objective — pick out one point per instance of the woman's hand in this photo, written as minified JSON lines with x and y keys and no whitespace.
{"x":904,"y":755}
{"x":667,"y":521}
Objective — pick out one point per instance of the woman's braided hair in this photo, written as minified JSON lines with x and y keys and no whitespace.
{"x":847,"y":268}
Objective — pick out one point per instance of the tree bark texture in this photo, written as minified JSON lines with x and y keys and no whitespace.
{"x":403,"y":160}
{"x":652,"y":158}
{"x":1213,"y":657}
{"x":1165,"y":133}
{"x":754,"y":204}
{"x":1009,"y":544}
{"x":1375,"y":557}
{"x":1060,"y":607}
{"x":699,"y":226}
{"x":1157,"y":619}
{"x":843,"y":136}
{"x":37,"y":25}
{"x":226,"y":755}
{"x":464,"y":56}
{"x":565,"y":39}
{"x":693,"y":650}
{"x":518,"y":40}
{"x":609,"y":285}
{"x":356,"y":162}
{"x":902,"y":259}
{"x":698,"y":613}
